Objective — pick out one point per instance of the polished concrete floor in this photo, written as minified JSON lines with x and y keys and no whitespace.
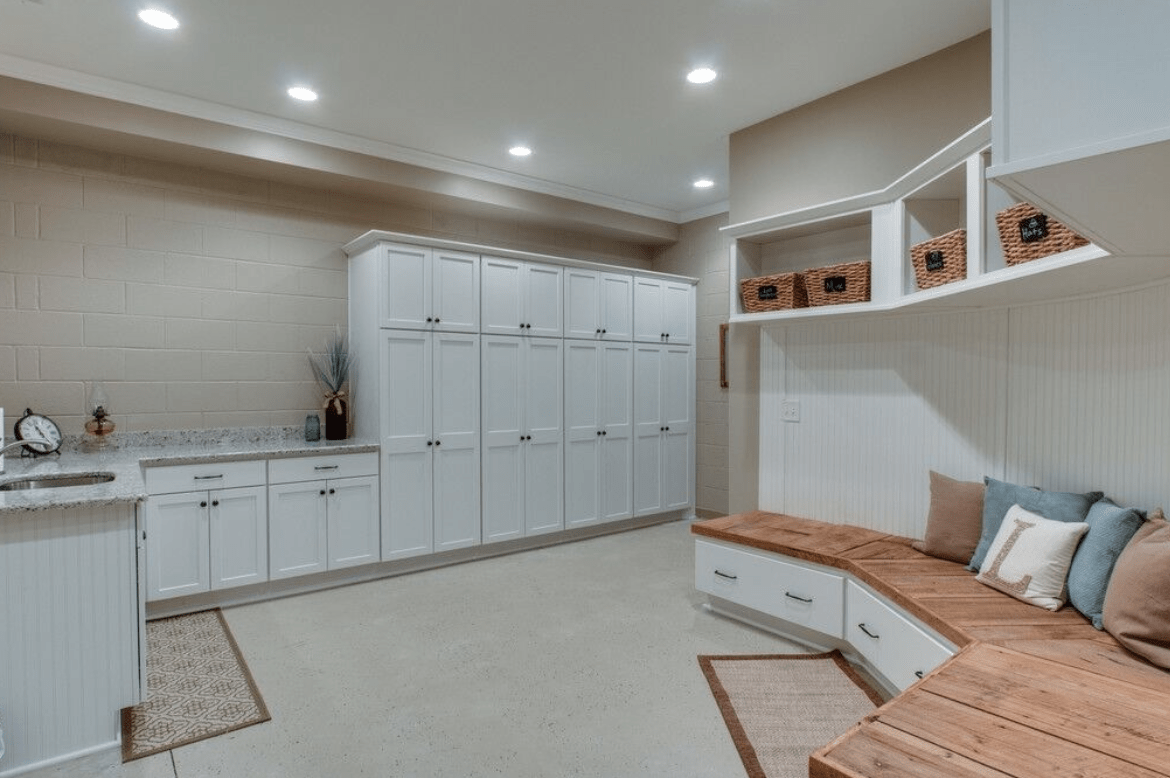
{"x":575,"y":660}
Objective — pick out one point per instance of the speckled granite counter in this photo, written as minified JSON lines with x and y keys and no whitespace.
{"x":135,"y":451}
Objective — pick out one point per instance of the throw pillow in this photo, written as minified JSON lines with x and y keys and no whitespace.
{"x":1030,"y":556}
{"x":955,"y":521}
{"x":1110,"y":529}
{"x":1000,"y":495}
{"x":1137,"y":610}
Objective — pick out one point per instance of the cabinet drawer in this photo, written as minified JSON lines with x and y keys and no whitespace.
{"x":795,"y":593}
{"x":212,"y":475}
{"x":896,"y":647}
{"x":293,"y":469}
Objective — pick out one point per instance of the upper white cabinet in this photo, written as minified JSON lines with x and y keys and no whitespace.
{"x":426,"y":288}
{"x":664,"y":310}
{"x":521,"y":298}
{"x":598,"y":305}
{"x":523,"y":441}
{"x":1082,"y":116}
{"x":598,"y":432}
{"x":429,"y":393}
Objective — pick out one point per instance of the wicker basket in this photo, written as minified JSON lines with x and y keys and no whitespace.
{"x":773,"y":293}
{"x":1028,"y":234}
{"x":834,"y":284}
{"x":940,"y":260}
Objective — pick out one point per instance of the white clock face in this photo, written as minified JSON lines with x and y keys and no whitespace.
{"x":36,"y":426}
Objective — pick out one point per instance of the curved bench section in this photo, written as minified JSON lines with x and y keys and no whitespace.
{"x":1029,"y":692}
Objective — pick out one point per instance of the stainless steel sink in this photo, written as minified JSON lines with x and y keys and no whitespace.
{"x":56,"y":481}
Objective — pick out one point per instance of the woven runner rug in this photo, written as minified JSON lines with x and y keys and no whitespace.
{"x":779,"y":709}
{"x":199,"y":686}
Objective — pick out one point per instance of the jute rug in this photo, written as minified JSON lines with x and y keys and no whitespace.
{"x":779,"y":709}
{"x":198,"y":686}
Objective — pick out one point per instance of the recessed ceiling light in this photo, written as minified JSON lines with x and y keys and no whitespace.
{"x":702,"y":76}
{"x":159,"y":19}
{"x":704,"y":183}
{"x":520,"y":151}
{"x":302,"y":93}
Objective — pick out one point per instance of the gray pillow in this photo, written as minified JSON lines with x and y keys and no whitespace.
{"x":1000,"y":496}
{"x":1110,"y":529}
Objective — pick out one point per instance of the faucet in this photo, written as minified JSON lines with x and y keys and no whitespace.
{"x":18,"y":443}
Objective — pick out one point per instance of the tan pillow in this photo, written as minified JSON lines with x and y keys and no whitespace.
{"x":955,"y":521}
{"x":1137,"y":610}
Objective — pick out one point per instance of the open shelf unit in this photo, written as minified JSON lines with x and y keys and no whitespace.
{"x":946,"y":192}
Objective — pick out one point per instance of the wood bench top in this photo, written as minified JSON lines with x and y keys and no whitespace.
{"x":1031,"y":692}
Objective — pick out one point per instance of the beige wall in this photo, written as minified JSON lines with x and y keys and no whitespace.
{"x":861,"y":138}
{"x":193,"y":294}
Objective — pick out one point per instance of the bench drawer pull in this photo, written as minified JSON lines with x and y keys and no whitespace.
{"x":798,"y":598}
{"x":864,"y":629}
{"x":728,"y":576}
{"x":208,"y":477}
{"x":919,"y":674}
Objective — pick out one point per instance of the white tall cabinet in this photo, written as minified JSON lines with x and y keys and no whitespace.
{"x":502,"y":388}
{"x":523,"y":439}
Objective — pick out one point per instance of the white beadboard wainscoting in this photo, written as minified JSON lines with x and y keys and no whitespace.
{"x":69,"y":641}
{"x":1072,"y":396}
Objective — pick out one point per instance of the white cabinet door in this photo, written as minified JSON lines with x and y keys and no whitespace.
{"x":406,"y":287}
{"x":583,"y":429}
{"x":542,"y":300}
{"x":502,"y":297}
{"x":456,"y":431}
{"x":406,"y":409}
{"x":617,"y":431}
{"x":648,"y":307}
{"x":239,"y":536}
{"x":664,"y":311}
{"x":178,"y":549}
{"x":648,"y":430}
{"x":297,"y":529}
{"x":352,"y":507}
{"x":616,"y":306}
{"x":455,"y":284}
{"x":544,"y":435}
{"x":582,"y":303}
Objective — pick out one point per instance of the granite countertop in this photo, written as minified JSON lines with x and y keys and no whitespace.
{"x":135,"y":451}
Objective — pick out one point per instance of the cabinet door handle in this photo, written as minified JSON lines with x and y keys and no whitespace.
{"x":797,"y":597}
{"x":325,"y":467}
{"x":215,"y":503}
{"x":333,"y":491}
{"x":598,"y":332}
{"x":208,"y":477}
{"x":603,"y":432}
{"x":864,"y":629}
{"x":919,"y":674}
{"x":429,"y":320}
{"x":603,"y":332}
{"x":728,"y":576}
{"x":438,"y":442}
{"x":437,"y":320}
{"x":203,"y":504}
{"x":599,"y":433}
{"x":321,"y":492}
{"x":430,"y":443}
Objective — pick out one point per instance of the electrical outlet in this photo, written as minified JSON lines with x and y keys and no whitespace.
{"x":790,"y":410}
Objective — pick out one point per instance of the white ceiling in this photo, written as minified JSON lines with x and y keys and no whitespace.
{"x":595,"y":87}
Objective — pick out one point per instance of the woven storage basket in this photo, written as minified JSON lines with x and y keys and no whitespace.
{"x":834,"y":284}
{"x":940,"y":260}
{"x":1028,"y":234}
{"x":773,"y":293}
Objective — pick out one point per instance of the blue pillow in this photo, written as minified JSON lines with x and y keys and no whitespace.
{"x":1000,"y":496}
{"x":1110,"y":530}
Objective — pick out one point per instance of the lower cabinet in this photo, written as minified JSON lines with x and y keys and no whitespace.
{"x":199,"y":541}
{"x":890,"y":642}
{"x":318,"y":523}
{"x":664,"y":428}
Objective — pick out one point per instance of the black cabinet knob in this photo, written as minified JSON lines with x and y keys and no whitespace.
{"x":214,"y":503}
{"x":598,"y":331}
{"x":437,"y":320}
{"x":603,"y":332}
{"x":438,"y":442}
{"x":322,"y":492}
{"x":430,"y":443}
{"x":203,"y":504}
{"x":333,"y":491}
{"x":599,"y":432}
{"x":603,"y":432}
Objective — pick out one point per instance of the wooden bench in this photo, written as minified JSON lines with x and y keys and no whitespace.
{"x":1030,"y":692}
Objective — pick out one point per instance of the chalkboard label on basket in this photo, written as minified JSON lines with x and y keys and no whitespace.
{"x":834,"y":284}
{"x":1034,"y":228}
{"x":768,"y":292}
{"x":935,"y":261}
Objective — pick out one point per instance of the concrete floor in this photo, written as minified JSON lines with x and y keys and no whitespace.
{"x":576,"y":660}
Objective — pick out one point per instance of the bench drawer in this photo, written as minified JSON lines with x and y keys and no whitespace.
{"x":894,"y":645}
{"x":296,"y":469}
{"x":793,"y":592}
{"x":170,"y":479}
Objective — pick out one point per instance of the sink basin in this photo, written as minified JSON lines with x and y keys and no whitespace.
{"x":56,"y":481}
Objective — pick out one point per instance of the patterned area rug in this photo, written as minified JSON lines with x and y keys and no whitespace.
{"x":779,"y":709}
{"x":199,"y":686}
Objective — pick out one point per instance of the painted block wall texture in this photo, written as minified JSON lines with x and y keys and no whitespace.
{"x":702,"y":252}
{"x":194,"y":294}
{"x":1069,"y":396}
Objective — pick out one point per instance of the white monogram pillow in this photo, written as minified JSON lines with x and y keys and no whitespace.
{"x":1030,"y":557}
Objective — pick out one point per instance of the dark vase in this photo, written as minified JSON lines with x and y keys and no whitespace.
{"x":336,"y":419}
